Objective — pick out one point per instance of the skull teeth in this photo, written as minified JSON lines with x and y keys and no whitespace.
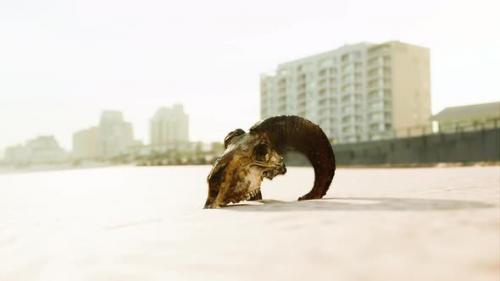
{"x":251,"y":194}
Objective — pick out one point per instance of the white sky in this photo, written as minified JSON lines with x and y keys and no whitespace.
{"x":62,"y":62}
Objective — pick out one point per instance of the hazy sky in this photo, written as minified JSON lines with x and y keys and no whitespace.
{"x":62,"y":62}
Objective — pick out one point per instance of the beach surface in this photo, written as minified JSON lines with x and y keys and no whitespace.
{"x":147,"y":223}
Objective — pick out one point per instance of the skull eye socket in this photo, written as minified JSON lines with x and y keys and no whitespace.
{"x":260,"y":151}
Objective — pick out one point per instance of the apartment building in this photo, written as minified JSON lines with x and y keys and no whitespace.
{"x":115,"y":136}
{"x":169,"y":128}
{"x":355,"y":93}
{"x":85,"y":144}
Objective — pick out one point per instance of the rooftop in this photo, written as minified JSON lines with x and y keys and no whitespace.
{"x":483,"y":110}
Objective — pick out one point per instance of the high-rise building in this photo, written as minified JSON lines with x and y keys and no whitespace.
{"x":169,"y":128}
{"x":355,"y":93}
{"x":114,"y":135}
{"x":85,"y":144}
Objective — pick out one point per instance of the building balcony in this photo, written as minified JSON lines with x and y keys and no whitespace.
{"x":322,"y":83}
{"x":379,"y":85}
{"x":323,"y":101}
{"x":377,"y":95}
{"x":322,"y":91}
{"x":385,"y":111}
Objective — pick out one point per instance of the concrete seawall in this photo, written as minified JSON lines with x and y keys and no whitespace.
{"x":477,"y":146}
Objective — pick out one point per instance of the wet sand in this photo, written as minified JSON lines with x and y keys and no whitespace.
{"x":146,"y":223}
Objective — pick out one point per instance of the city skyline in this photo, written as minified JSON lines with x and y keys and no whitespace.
{"x":63,"y":65}
{"x":113,"y":135}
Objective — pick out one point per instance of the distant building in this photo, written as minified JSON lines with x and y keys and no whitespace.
{"x":41,"y":150}
{"x":17,"y":154}
{"x":169,"y":128}
{"x":85,"y":144}
{"x":114,"y":135}
{"x":355,"y":93}
{"x":111,"y":138}
{"x":469,"y":117}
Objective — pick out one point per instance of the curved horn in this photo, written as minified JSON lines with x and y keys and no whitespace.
{"x":231,"y":135}
{"x":296,"y":133}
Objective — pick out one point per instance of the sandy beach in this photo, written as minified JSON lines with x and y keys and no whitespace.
{"x":147,"y":223}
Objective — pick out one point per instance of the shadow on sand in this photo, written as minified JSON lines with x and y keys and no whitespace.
{"x":360,"y":204}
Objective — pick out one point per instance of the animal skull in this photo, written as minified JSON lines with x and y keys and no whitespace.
{"x":250,"y":157}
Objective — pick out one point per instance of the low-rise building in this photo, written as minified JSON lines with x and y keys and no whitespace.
{"x":41,"y":150}
{"x":16,"y":154}
{"x":468,"y":117}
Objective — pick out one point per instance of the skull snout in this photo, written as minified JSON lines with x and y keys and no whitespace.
{"x":282,"y":168}
{"x":281,"y":164}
